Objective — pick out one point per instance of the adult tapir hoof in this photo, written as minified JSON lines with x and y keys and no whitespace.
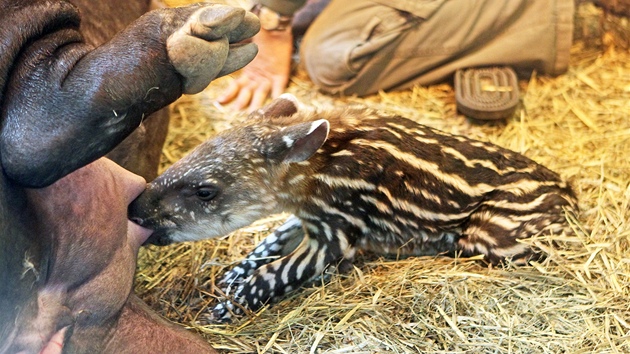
{"x":210,"y":30}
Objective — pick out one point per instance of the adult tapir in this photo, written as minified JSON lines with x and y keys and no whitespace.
{"x":76,"y":78}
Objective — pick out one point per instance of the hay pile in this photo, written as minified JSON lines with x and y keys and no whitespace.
{"x":577,"y":301}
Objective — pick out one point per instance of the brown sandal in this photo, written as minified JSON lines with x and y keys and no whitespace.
{"x":486,"y":93}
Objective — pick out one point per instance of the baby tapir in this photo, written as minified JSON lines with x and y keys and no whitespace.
{"x":355,"y":179}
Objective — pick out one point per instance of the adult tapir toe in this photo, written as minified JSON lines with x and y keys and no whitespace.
{"x":215,"y":21}
{"x":207,"y":46}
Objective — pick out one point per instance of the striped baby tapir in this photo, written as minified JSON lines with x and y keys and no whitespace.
{"x":354,"y":179}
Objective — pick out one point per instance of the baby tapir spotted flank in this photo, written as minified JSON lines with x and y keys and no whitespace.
{"x":354,"y":179}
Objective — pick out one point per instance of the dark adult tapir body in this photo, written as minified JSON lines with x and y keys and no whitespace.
{"x":76,"y":78}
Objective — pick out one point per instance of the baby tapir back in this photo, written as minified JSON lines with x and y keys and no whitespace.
{"x":354,"y":179}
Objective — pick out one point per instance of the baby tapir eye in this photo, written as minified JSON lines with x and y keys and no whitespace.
{"x":206,"y":193}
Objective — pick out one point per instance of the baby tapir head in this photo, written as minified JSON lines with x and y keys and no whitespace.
{"x":231,"y":180}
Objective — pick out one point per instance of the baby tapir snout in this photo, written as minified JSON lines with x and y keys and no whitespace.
{"x":145,"y":211}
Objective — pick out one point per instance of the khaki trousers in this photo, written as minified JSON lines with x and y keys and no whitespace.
{"x":360,"y":46}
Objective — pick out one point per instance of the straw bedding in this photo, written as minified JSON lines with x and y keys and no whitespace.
{"x":576,"y":301}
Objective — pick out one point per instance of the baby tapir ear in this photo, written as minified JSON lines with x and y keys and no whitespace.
{"x":298,"y":142}
{"x":285,"y":105}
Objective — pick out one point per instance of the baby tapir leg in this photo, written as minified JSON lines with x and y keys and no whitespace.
{"x":284,"y":240}
{"x":319,"y":248}
{"x":496,"y":227}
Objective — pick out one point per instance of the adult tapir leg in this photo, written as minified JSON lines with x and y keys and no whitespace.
{"x":140,"y":152}
{"x":63,"y":97}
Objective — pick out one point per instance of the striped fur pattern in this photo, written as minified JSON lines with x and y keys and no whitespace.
{"x":354,"y":179}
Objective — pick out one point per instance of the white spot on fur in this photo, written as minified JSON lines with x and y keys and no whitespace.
{"x":288,"y":141}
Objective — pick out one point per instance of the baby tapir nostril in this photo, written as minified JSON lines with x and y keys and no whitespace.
{"x":137,"y":220}
{"x":136,"y":211}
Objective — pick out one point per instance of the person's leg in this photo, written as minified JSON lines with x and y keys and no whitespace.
{"x":361,"y":47}
{"x":349,"y":41}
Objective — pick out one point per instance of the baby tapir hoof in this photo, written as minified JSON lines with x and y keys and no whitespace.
{"x":354,"y":179}
{"x":236,"y":282}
